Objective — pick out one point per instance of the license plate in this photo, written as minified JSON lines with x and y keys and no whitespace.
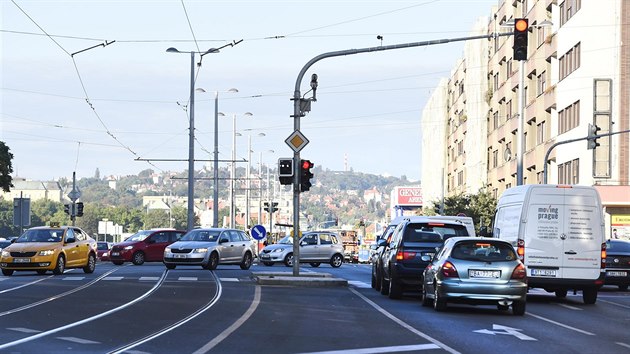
{"x":179,"y":256}
{"x":484,"y":273}
{"x":611,"y":273}
{"x":115,"y":253}
{"x":544,"y":272}
{"x":265,"y":256}
{"x":21,"y":260}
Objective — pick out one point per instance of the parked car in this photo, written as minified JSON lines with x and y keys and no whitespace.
{"x":401,"y":260}
{"x":45,"y":248}
{"x":144,"y":246}
{"x":475,"y":271}
{"x":316,"y":247}
{"x":102,"y":250}
{"x":618,"y":263}
{"x":377,"y":265}
{"x":210,"y":247}
{"x":4,"y":244}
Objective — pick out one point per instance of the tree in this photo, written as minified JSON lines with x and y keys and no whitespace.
{"x":480,"y":207}
{"x":5,"y":167}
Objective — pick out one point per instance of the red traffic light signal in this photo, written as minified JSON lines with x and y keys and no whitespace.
{"x":521,"y":30}
{"x":305,"y":175}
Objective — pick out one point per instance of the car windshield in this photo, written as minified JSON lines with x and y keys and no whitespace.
{"x":618,"y":246}
{"x":201,"y":235}
{"x":41,"y":235}
{"x":139,"y":236}
{"x":483,"y":251}
{"x":287,"y":240}
{"x":102,"y":246}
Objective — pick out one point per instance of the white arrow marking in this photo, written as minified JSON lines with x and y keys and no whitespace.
{"x":498,"y":329}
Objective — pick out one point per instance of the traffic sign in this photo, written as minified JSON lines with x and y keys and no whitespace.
{"x":296,"y":141}
{"x":258,"y":232}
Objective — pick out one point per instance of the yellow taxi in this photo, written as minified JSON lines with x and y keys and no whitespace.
{"x":45,"y":248}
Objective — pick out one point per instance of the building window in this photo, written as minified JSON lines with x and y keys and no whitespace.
{"x":541,"y":83}
{"x":569,"y":172}
{"x":495,"y":158}
{"x":569,"y":8}
{"x":570,"y":61}
{"x":569,"y":117}
{"x":460,"y":178}
{"x":540,"y":133}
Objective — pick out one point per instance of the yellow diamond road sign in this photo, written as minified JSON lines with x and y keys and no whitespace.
{"x":296,"y":141}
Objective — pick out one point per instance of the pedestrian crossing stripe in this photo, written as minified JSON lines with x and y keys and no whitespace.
{"x":359,"y":284}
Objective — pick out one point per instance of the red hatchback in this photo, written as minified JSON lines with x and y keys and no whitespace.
{"x":144,"y":246}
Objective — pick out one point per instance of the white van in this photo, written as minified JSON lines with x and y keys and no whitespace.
{"x":558,"y":232}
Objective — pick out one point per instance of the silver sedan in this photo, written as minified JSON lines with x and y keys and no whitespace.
{"x":475,"y":270}
{"x":211,"y":247}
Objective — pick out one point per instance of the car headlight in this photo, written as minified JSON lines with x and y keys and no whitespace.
{"x":200,"y":250}
{"x":167,"y":250}
{"x":6,"y":253}
{"x":128,"y":248}
{"x":278,"y":250}
{"x":46,"y":253}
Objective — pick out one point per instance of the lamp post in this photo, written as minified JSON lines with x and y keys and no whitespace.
{"x":260,"y":185}
{"x":233,"y":168}
{"x":248,"y":176}
{"x":191,"y":136}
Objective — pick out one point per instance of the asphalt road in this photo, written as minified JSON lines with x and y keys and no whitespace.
{"x":147,"y":309}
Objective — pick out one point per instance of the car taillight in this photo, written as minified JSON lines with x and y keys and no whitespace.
{"x":405,"y":255}
{"x":449,"y":270}
{"x":519,"y":272}
{"x":603,"y":264}
{"x":520,"y":249}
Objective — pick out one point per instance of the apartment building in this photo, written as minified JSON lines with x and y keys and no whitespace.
{"x":577,"y":74}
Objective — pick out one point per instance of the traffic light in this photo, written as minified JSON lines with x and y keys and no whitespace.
{"x":274,"y":207}
{"x":305,"y":175}
{"x":80,"y":209}
{"x":285,"y":170}
{"x":66,"y":208}
{"x":592,"y":136}
{"x":521,"y":30}
{"x":266,"y":208}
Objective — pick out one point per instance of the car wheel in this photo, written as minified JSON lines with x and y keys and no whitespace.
{"x":7,"y":272}
{"x":426,"y":302}
{"x":336,"y":261}
{"x":268,"y":264}
{"x":378,"y":280}
{"x":373,"y":280}
{"x":41,"y":272}
{"x":247,"y":261}
{"x":623,"y":287}
{"x":288,"y":260}
{"x":589,"y":295}
{"x":117,"y":262}
{"x":170,"y":266}
{"x":91,"y":265}
{"x":314,"y":264}
{"x":213,"y":261}
{"x":395,"y":289}
{"x":138,"y":258}
{"x":561,"y":294}
{"x":61,"y":265}
{"x":439,"y":304}
{"x":518,"y":308}
{"x":384,"y":285}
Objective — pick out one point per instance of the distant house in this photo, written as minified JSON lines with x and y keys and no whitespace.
{"x":372,"y":194}
{"x":35,"y":190}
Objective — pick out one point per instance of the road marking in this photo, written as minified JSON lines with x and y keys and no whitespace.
{"x":230,"y":279}
{"x":571,"y":307}
{"x":218,"y":339}
{"x":187,"y":278}
{"x":25,"y":285}
{"x":359,"y":284}
{"x":614,"y":303}
{"x":499,"y":329}
{"x":24,"y":330}
{"x":113,"y":278}
{"x":73,"y":278}
{"x":78,"y":340}
{"x":403,"y":324}
{"x":623,"y":344}
{"x":560,"y":324}
{"x":149,"y":278}
{"x":400,"y":348}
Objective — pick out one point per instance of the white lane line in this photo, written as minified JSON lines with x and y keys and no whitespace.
{"x":614,"y":303}
{"x":187,"y":278}
{"x":570,"y":307}
{"x":23,"y":330}
{"x":78,"y":340}
{"x":218,"y":339}
{"x":114,"y":278}
{"x":86,"y":320}
{"x":73,"y":278}
{"x":400,"y":348}
{"x":149,"y":278}
{"x":405,"y":325}
{"x":233,"y":280}
{"x":560,"y":324}
{"x":24,"y":285}
{"x":623,"y":344}
{"x":359,"y":284}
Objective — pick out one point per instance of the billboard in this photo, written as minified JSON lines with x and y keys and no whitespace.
{"x":407,"y":196}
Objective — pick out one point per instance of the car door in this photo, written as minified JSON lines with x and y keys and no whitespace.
{"x":71,"y":248}
{"x":309,"y":247}
{"x":326,"y":246}
{"x":155,"y":245}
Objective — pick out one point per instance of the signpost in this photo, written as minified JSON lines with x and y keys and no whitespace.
{"x":258,"y":232}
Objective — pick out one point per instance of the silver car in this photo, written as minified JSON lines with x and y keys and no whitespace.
{"x":316,"y":247}
{"x":475,"y":270}
{"x":211,"y":247}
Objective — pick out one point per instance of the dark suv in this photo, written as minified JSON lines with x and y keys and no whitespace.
{"x":144,"y":246}
{"x":401,"y":260}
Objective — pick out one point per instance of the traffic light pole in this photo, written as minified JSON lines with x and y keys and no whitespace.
{"x":571,"y":141}
{"x":298,"y":113}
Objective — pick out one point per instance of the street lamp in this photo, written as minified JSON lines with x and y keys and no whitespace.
{"x":248,"y":182}
{"x":260,"y":185}
{"x":233,"y":167}
{"x":191,"y":135}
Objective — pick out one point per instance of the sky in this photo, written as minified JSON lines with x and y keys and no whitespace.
{"x":88,"y":84}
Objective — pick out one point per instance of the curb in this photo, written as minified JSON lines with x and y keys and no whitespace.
{"x":306,"y":279}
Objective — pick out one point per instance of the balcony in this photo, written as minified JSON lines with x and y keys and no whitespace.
{"x":549,"y":98}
